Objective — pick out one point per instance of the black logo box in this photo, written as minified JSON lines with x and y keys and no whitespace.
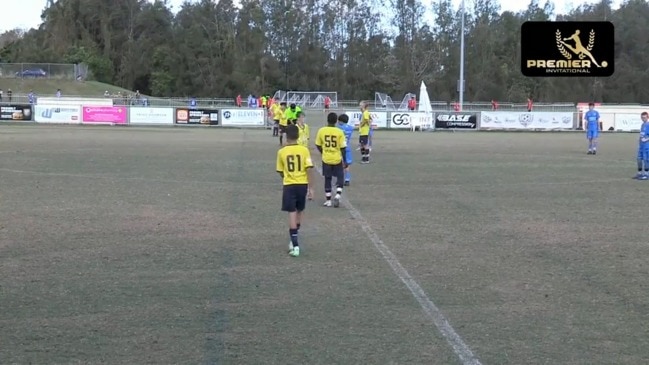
{"x":23,"y":112}
{"x":198,"y":116}
{"x":553,"y":49}
{"x":456,"y":121}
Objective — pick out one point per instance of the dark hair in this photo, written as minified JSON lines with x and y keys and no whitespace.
{"x":343,"y":118}
{"x":292,"y":132}
{"x":293,"y":106}
{"x":644,"y":114}
{"x":332,"y":118}
{"x":282,"y":103}
{"x":591,"y":104}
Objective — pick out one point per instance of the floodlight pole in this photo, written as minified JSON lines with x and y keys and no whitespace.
{"x":461,"y":86}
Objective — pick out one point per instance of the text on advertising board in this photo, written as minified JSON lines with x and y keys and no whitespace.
{"x":379,"y":119}
{"x":197,"y":116}
{"x":57,"y":114}
{"x":455,"y":121}
{"x":526,"y":120}
{"x":141,"y":115}
{"x":401,"y":119}
{"x":243,"y":117}
{"x":16,"y":112}
{"x":104,"y":114}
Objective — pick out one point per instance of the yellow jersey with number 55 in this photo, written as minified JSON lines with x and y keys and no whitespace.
{"x":293,"y":161}
{"x":331,"y":140}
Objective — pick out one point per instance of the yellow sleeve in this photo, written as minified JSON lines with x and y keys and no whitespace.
{"x":318,"y":138}
{"x":280,"y":162}
{"x":309,"y":162}
{"x":341,"y":137}
{"x":307,"y":132}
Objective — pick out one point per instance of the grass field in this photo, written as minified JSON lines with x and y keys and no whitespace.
{"x":166,"y":246}
{"x":48,"y":87}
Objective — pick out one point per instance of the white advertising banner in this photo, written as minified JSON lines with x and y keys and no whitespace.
{"x":144,"y":115}
{"x":422,"y":120}
{"x":379,"y":119}
{"x":526,"y":120}
{"x":62,"y":114}
{"x":401,"y":120}
{"x":243,"y":117}
{"x":627,"y":122}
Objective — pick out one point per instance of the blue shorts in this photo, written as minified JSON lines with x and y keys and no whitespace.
{"x":294,"y":197}
{"x":592,"y":133}
{"x":348,"y":156}
{"x":371,"y":131}
{"x":643,"y":153}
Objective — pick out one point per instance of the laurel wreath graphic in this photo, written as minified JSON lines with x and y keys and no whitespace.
{"x":591,"y":43}
{"x":563,"y":51}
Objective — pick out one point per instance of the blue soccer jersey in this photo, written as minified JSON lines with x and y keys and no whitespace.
{"x":644,"y":133}
{"x":592,"y":123}
{"x":348,"y":130}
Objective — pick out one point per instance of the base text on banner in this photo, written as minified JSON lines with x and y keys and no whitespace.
{"x":61,"y":114}
{"x":526,"y":120}
{"x":16,"y":113}
{"x":104,"y":115}
{"x":456,"y":121}
{"x":143,"y":115}
{"x":243,"y":117}
{"x":197,"y":116}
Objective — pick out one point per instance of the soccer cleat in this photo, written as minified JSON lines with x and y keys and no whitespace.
{"x":346,"y":183}
{"x":295,"y":252}
{"x":644,"y":177}
{"x":327,"y":203}
{"x":290,"y":246}
{"x":590,"y":153}
{"x":594,"y":152}
{"x":336,"y":201}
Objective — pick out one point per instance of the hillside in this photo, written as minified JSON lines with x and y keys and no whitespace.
{"x":48,"y":87}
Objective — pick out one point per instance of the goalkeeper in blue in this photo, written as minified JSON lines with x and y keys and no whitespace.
{"x":592,"y":128}
{"x":643,"y":149}
{"x":348,"y":130}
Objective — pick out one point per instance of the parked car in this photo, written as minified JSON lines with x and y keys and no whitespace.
{"x":37,"y":72}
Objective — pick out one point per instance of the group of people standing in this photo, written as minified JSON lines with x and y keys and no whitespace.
{"x":295,"y":165}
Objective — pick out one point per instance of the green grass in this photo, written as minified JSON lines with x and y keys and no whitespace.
{"x":161,"y":246}
{"x":48,"y":87}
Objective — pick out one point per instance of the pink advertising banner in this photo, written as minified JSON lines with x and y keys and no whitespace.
{"x":104,"y":114}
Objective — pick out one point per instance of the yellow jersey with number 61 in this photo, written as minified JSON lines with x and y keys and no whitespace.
{"x":331,"y":140}
{"x":293,"y":161}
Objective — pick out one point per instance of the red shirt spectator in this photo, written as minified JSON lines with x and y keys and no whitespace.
{"x":494,"y":105}
{"x":327,"y":102}
{"x":530,"y":105}
{"x":239,"y":100}
{"x":412,"y":104}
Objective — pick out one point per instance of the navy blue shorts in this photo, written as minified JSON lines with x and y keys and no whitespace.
{"x":282,"y":129}
{"x":363,"y":140}
{"x":294,"y":197}
{"x":336,"y":171}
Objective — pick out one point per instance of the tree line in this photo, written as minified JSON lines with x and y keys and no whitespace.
{"x":216,"y":49}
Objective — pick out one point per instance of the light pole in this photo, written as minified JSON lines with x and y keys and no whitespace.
{"x":461,"y":82}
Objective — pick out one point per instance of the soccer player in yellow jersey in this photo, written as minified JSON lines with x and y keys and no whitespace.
{"x":330,"y":141}
{"x":282,"y":121}
{"x":305,"y":133}
{"x":296,"y":168}
{"x":364,"y":132}
{"x":275,"y":113}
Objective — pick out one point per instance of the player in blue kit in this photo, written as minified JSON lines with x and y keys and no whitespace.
{"x":348,"y":130}
{"x":643,"y":148}
{"x":592,"y":128}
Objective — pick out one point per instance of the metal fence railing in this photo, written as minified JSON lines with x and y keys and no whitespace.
{"x":60,"y":71}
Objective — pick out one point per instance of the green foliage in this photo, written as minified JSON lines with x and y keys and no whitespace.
{"x":211,"y":48}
